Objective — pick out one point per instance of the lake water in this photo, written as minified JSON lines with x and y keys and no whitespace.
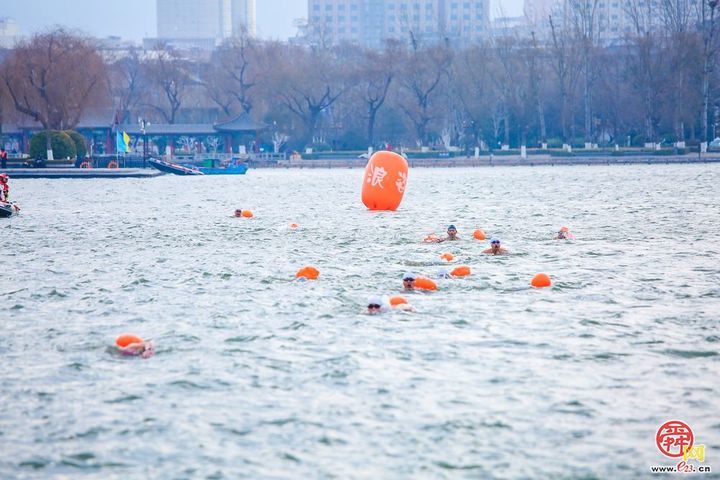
{"x":260,"y":376}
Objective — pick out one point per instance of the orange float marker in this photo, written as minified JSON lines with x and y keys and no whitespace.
{"x":479,"y":235}
{"x":247,"y":214}
{"x":309,"y":273}
{"x":447,"y":257}
{"x":294,"y":226}
{"x":398,"y":300}
{"x":461,"y":271}
{"x":424,"y":283}
{"x":126,"y":339}
{"x":384,"y":181}
{"x":541,"y":280}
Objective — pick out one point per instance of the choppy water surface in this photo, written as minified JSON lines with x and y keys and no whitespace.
{"x":258,"y":376}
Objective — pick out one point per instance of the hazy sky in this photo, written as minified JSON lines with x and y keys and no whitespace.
{"x":135,"y":19}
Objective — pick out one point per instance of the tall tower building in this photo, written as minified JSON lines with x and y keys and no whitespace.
{"x":243,"y":17}
{"x":204,"y":19}
{"x":369,"y":22}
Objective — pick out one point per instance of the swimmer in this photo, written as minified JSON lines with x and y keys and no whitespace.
{"x":564,"y":234}
{"x":238,"y":213}
{"x":408,"y":282}
{"x":495,"y":248}
{"x":375,"y":306}
{"x":452,"y":235}
{"x":443,"y":273}
{"x":145,"y":349}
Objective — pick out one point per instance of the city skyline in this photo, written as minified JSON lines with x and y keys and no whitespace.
{"x":106,"y":18}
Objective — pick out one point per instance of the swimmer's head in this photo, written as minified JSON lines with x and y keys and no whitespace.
{"x":409,"y":281}
{"x":451,"y":229}
{"x":495,"y":241}
{"x":409,"y":276}
{"x":238,"y":212}
{"x":564,"y":229}
{"x":374,"y":304}
{"x":443,"y":273}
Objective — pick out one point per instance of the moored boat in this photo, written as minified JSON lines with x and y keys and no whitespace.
{"x":8,"y":210}
{"x":169,"y":167}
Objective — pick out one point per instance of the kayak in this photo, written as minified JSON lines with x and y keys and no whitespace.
{"x":8,"y":210}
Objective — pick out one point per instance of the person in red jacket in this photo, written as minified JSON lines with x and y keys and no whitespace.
{"x":5,"y":193}
{"x":3,"y":158}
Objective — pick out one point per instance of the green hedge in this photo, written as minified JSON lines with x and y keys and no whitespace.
{"x":79,"y":141}
{"x":62,"y":145}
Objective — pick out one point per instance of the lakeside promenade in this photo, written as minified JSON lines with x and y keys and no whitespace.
{"x":500,"y":161}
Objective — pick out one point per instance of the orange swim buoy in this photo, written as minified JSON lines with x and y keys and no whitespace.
{"x":461,"y":271}
{"x":398,"y":300}
{"x":294,"y":226}
{"x":309,"y":273}
{"x":384,"y":181}
{"x":541,"y":280}
{"x":112,"y":164}
{"x":424,"y":283}
{"x":247,"y":214}
{"x":447,"y":257}
{"x":479,"y":235}
{"x":126,"y":339}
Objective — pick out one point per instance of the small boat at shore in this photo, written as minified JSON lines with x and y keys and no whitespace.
{"x":211,"y":167}
{"x":174,"y":168}
{"x":8,"y":210}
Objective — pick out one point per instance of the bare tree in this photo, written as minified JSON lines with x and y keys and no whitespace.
{"x":127,"y":82}
{"x":378,"y":73}
{"x":308,"y":82}
{"x":584,"y":14}
{"x":233,"y":73}
{"x":708,"y":25}
{"x":53,"y":77}
{"x":171,"y":75}
{"x":423,"y":70}
{"x":646,"y":62}
{"x":566,"y":67}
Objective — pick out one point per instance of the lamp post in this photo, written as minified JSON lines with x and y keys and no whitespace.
{"x":143,"y":124}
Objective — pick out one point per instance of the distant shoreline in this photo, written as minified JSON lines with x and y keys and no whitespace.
{"x":502,"y":161}
{"x":498,"y":161}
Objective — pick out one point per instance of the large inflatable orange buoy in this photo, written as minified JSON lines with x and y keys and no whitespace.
{"x":309,"y":272}
{"x":247,"y":214}
{"x":479,"y":235}
{"x":126,"y":339}
{"x":294,"y":226}
{"x":424,"y":283}
{"x":447,"y":257}
{"x":461,"y":271}
{"x":384,"y":181}
{"x":398,"y":300}
{"x":541,"y":280}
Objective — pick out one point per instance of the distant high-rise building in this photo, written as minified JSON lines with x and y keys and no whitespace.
{"x":9,"y":32}
{"x":369,"y":22}
{"x":612,"y":20}
{"x":204,"y":19}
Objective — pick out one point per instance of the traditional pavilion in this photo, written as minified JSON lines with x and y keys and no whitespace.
{"x":99,"y":127}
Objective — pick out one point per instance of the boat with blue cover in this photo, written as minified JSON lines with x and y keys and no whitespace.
{"x":209,"y":167}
